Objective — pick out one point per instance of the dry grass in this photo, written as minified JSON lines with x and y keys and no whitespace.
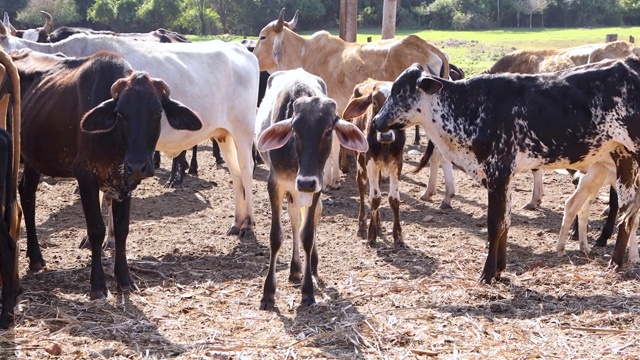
{"x":200,"y":289}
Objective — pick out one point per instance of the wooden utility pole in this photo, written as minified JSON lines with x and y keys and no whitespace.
{"x":389,"y":19}
{"x":348,"y":20}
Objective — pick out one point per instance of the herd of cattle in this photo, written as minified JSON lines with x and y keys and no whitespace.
{"x":94,"y":106}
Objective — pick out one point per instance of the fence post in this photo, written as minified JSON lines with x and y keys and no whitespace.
{"x":611,"y":37}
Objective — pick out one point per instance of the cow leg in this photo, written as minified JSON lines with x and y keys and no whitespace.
{"x":178,"y":170}
{"x":156,"y":159}
{"x":634,"y":257}
{"x":90,"y":198}
{"x":314,"y":251}
{"x":449,"y":182}
{"x":498,"y":219}
{"x":628,"y":198}
{"x":434,"y":164}
{"x":237,"y":152}
{"x":111,"y":240}
{"x":193,"y":166}
{"x":344,"y":160}
{"x":375,"y":197}
{"x":9,"y":276}
{"x":416,"y":138}
{"x":121,"y":211}
{"x":216,"y":152}
{"x":538,"y":191}
{"x":275,"y":242}
{"x":27,"y":188}
{"x":295,"y":213}
{"x":609,"y":225}
{"x":580,"y":203}
{"x":361,"y":179}
{"x":308,"y":243}
{"x":394,"y":200}
{"x":331,"y":177}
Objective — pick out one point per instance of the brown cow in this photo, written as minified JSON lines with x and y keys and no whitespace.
{"x":9,"y":208}
{"x":341,"y":64}
{"x":105,"y":139}
{"x":384,"y":157}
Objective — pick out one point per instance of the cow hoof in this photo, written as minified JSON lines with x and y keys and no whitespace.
{"x":128,"y":288}
{"x":84,"y":243}
{"x":562,"y":253}
{"x":530,"y":206}
{"x":247,"y":234}
{"x":399,"y":244}
{"x":37,"y":265}
{"x":601,"y":242}
{"x":362,"y":233}
{"x":295,"y":279}
{"x":173,"y":183}
{"x":426,"y":196}
{"x":372,"y":243}
{"x":234,"y":230}
{"x":110,"y":244}
{"x":308,"y":300}
{"x":267,"y":303}
{"x":444,"y":205}
{"x":193,"y":171}
{"x":98,"y":294}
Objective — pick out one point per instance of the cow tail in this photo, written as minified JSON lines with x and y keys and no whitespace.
{"x":426,"y":156}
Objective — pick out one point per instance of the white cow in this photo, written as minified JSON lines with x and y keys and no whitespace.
{"x":214,"y":78}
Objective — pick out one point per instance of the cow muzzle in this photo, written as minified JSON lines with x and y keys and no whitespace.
{"x":386,"y":137}
{"x":308,"y":184}
{"x":138,"y":170}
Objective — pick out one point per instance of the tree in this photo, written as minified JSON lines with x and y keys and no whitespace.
{"x":102,"y":11}
{"x":158,"y":13}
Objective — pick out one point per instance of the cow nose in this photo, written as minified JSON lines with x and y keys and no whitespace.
{"x":138,"y":171}
{"x":307,"y":184}
{"x":386,"y":137}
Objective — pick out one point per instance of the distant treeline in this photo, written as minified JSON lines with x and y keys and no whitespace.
{"x":247,"y":17}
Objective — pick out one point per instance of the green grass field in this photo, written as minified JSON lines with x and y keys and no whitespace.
{"x":475,"y":51}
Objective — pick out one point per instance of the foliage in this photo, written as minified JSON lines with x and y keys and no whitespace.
{"x":102,"y":11}
{"x":63,"y":12}
{"x":196,"y":18}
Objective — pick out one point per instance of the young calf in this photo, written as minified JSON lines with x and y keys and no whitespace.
{"x":296,"y":122}
{"x":385,"y":156}
{"x":105,"y":139}
{"x":494,"y":126}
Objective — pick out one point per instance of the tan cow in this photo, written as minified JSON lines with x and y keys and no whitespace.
{"x":549,"y":60}
{"x":341,"y":64}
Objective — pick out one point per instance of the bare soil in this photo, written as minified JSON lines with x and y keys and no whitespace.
{"x":200,"y":289}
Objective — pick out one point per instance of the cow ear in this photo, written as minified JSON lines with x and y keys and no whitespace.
{"x":275,"y":136}
{"x":350,"y":136}
{"x":429,"y":84}
{"x":356,"y":107}
{"x":100,"y":119}
{"x":179,"y":116}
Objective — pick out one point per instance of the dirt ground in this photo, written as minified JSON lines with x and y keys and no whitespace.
{"x":200,"y":289}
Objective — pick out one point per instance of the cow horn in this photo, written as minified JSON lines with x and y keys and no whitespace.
{"x":292,"y":24}
{"x":280,"y":22}
{"x":117,"y":88}
{"x":48,"y":23}
{"x":3,"y":30}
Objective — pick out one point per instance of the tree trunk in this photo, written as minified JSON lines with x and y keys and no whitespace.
{"x":518,"y":18}
{"x":530,"y":20}
{"x":389,"y":19}
{"x":348,"y":20}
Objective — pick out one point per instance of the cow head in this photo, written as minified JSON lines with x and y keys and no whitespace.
{"x":37,"y":35}
{"x":312,"y":126}
{"x":133,"y":115}
{"x":403,"y":107}
{"x":271,"y":46}
{"x":366,"y":101}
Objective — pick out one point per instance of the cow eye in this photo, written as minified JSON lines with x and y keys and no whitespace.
{"x":262,"y":37}
{"x":328,"y":132}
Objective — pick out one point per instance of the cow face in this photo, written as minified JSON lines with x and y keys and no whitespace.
{"x":36,"y":35}
{"x":133,"y":115}
{"x":404,"y":107}
{"x":312,"y":126}
{"x":366,"y":101}
{"x":270,"y":47}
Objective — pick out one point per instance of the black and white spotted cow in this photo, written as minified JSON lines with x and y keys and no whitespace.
{"x":494,"y":126}
{"x":296,"y":122}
